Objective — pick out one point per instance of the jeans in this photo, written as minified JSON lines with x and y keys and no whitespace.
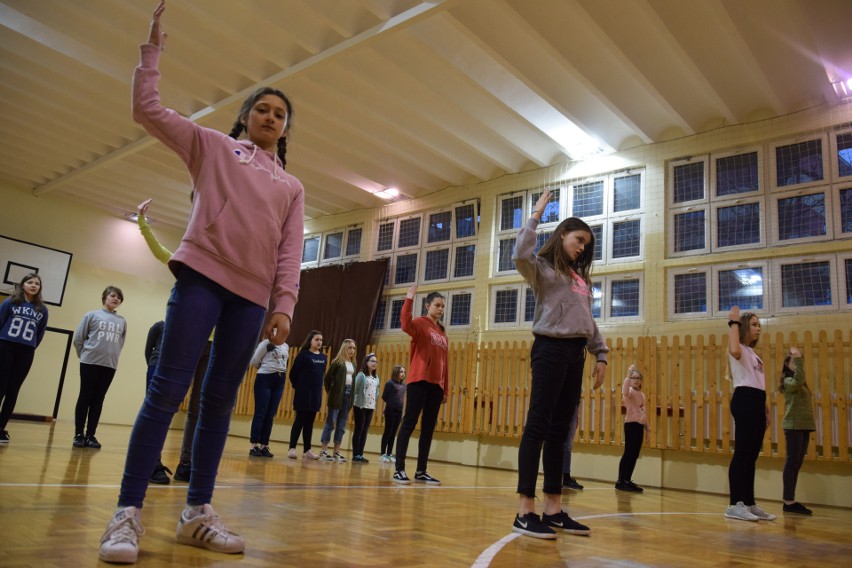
{"x":15,"y":362}
{"x":569,"y":442}
{"x":426,"y":398}
{"x":196,"y":304}
{"x":94,"y":384}
{"x":633,"y":433}
{"x":797,"y":449}
{"x":268,"y":389}
{"x":748,"y":407}
{"x":363,"y":416}
{"x":557,"y":375}
{"x":336,"y":420}
{"x":194,"y":401}
{"x":393,"y":417}
{"x":303,"y":425}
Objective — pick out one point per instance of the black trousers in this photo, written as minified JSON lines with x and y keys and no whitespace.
{"x":393,"y":417}
{"x":303,"y":425}
{"x":633,"y":433}
{"x":363,"y":416}
{"x":421,"y":398}
{"x":94,"y":384}
{"x":748,"y":407}
{"x":797,"y":448}
{"x":15,"y":362}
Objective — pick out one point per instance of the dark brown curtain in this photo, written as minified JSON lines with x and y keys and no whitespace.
{"x":340,"y":301}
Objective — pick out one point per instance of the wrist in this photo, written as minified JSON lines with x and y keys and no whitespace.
{"x":733,"y":322}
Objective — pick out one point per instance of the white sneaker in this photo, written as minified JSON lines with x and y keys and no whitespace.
{"x":292,"y":453}
{"x":384,"y":458}
{"x":309,"y":455}
{"x":761,"y":514}
{"x":740,"y":512}
{"x":120,"y":542}
{"x":208,"y":531}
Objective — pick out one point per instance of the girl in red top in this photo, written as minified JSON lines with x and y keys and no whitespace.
{"x":428,"y":382}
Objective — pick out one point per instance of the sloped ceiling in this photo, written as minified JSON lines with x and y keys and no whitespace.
{"x":397,"y":93}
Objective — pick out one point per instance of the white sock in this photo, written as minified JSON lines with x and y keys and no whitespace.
{"x":192,"y":511}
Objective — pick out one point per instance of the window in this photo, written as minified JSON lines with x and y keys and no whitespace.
{"x":842,"y":154}
{"x":353,"y":241}
{"x":505,"y":306}
{"x":381,"y":315}
{"x":802,"y":215}
{"x":310,"y":249}
{"x":385,"y":239}
{"x":463,"y":261}
{"x":690,"y":293}
{"x":505,"y":248}
{"x":741,"y":286}
{"x":627,"y":193}
{"x":737,"y":224}
{"x":798,"y":163}
{"x":395,"y":312}
{"x":689,"y":180}
{"x":552,"y":210}
{"x":466,"y":220}
{"x":409,"y":233}
{"x":626,"y":238}
{"x":333,"y":245}
{"x":625,"y":298}
{"x":460,"y":308}
{"x":805,"y":285}
{"x":405,"y":271}
{"x":711,"y":291}
{"x":846,"y":278}
{"x":439,"y":229}
{"x":436,"y":265}
{"x":690,"y":231}
{"x":588,"y":199}
{"x":736,"y":174}
{"x":843,"y":211}
{"x":600,"y":245}
{"x":512,"y":212}
{"x":529,"y":305}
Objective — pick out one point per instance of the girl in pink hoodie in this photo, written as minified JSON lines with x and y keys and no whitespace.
{"x":635,"y":425}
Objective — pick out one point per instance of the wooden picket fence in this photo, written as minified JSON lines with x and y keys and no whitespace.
{"x":687,"y":387}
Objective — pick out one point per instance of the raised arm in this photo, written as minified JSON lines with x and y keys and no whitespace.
{"x":406,"y":316}
{"x":523,"y":255}
{"x":160,"y":252}
{"x":734,"y":333}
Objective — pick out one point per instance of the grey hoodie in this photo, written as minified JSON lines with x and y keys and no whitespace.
{"x":100,"y":337}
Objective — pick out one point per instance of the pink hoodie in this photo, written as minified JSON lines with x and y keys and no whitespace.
{"x":634,"y":402}
{"x":246,"y":227}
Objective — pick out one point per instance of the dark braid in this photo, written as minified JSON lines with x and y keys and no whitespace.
{"x":237,"y":129}
{"x":282,"y":151}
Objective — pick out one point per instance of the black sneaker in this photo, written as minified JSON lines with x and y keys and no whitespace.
{"x":360,"y":459}
{"x":571,"y":483}
{"x":79,"y":441}
{"x":531,"y":525}
{"x":401,"y":478}
{"x":159,"y":476}
{"x":92,"y":442}
{"x":4,"y":437}
{"x":797,"y":508}
{"x":561,"y":520}
{"x":265,"y":453}
{"x":423,"y":477}
{"x":182,"y":471}
{"x":635,"y":488}
{"x":255,"y":452}
{"x":628,"y":486}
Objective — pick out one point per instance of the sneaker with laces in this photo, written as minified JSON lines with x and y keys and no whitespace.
{"x":79,"y":441}
{"x":531,"y":525}
{"x":255,"y":452}
{"x":628,"y":486}
{"x":92,"y":442}
{"x":325,"y":456}
{"x":760,"y":513}
{"x":571,"y":483}
{"x":182,"y":471}
{"x":120,"y":542}
{"x":208,"y":531}
{"x":740,"y":512}
{"x":797,"y":508}
{"x":291,"y":453}
{"x":4,"y":437}
{"x":384,"y":458}
{"x":401,"y":478}
{"x":635,"y":488}
{"x":338,"y":457}
{"x":265,"y":453}
{"x":392,"y":459}
{"x":309,"y":455}
{"x":561,"y":520}
{"x":159,"y":476}
{"x":423,"y":477}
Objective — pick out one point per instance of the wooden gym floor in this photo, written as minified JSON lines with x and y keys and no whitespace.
{"x":55,"y":501}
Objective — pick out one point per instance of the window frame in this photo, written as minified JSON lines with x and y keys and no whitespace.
{"x":349,"y":231}
{"x":714,"y":174}
{"x":399,"y":221}
{"x":773,"y":162}
{"x":834,"y":158}
{"x":609,"y":279}
{"x":837,"y":219}
{"x":775,"y":198}
{"x":425,"y":252}
{"x":311,"y":263}
{"x":492,"y":312}
{"x":451,"y":294}
{"x":728,"y":203}
{"x":777,"y":284}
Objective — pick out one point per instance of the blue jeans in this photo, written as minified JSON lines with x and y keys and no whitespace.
{"x":268,"y":389}
{"x":196,"y":304}
{"x":336,"y":419}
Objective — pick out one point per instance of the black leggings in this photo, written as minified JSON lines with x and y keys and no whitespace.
{"x":94,"y":384}
{"x":303,"y":425}
{"x":633,"y":432}
{"x":363,"y":416}
{"x":797,"y":448}
{"x":426,"y":398}
{"x":15,"y":362}
{"x":748,"y":407}
{"x":392,"y":419}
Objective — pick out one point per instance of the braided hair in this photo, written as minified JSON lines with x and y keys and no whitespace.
{"x":239,"y":127}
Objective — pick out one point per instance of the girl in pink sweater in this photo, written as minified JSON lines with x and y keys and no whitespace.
{"x":635,"y":423}
{"x":240,"y":256}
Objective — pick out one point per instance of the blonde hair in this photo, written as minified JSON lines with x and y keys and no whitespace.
{"x":342,"y":357}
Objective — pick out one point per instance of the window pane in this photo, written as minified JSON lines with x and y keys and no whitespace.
{"x":506,"y":306}
{"x":310,"y":250}
{"x":540,"y":239}
{"x":800,"y":217}
{"x":741,"y":287}
{"x":625,"y":299}
{"x":396,"y":311}
{"x":848,"y":263}
{"x":690,"y":293}
{"x":406,"y":269}
{"x":512,"y":213}
{"x":798,"y":163}
{"x":353,"y":242}
{"x":437,"y":264}
{"x":738,"y":225}
{"x":625,"y":239}
{"x":844,"y":154}
{"x":529,"y":305}
{"x":460,"y":313}
{"x":504,"y":260}
{"x":588,"y":199}
{"x":627,"y":194}
{"x":409,"y":233}
{"x":463,"y":265}
{"x":381,"y":315}
{"x":806,"y":284}
{"x":689,"y":231}
{"x":551,"y":210}
{"x":846,"y":210}
{"x":333,"y":245}
{"x":737,"y":174}
{"x":439,"y":226}
{"x":466,"y":221}
{"x":597,"y":232}
{"x":597,"y":297}
{"x":385,"y":241}
{"x":688,"y":182}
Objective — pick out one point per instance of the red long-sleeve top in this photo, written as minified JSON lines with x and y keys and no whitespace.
{"x":429,"y":349}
